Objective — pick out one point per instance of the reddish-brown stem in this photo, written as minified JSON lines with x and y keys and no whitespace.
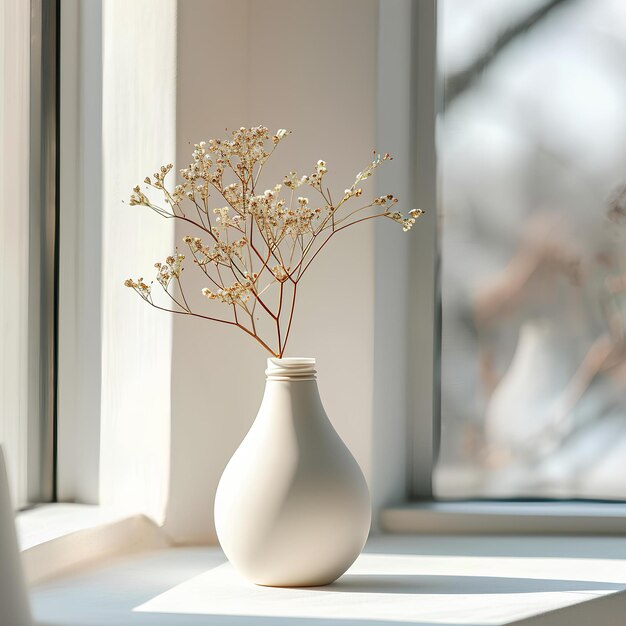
{"x":186,"y":308}
{"x":264,"y":262}
{"x":292,"y":308}
{"x":363,"y":219}
{"x":280,"y":306}
{"x":255,"y":336}
{"x":251,"y":316}
{"x":182,"y":293}
{"x":206,"y":317}
{"x":199,"y":211}
{"x":334,"y":232}
{"x":206,"y":273}
{"x":258,"y":299}
{"x":216,"y":319}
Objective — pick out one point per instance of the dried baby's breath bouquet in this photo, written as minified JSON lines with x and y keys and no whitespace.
{"x":255,"y":247}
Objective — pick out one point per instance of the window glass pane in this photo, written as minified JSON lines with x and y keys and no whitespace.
{"x":532,"y":150}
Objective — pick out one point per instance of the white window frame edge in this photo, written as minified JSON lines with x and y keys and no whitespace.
{"x":405,"y":347}
{"x":62,"y":536}
{"x":30,"y":170}
{"x":79,"y":379}
{"x":42,"y":255}
{"x":425,"y":325}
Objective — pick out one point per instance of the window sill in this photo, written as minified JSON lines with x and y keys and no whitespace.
{"x":536,"y":581}
{"x":58,"y":538}
{"x":507,"y":518}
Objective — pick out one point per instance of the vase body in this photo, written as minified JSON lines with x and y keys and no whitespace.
{"x":292,"y":508}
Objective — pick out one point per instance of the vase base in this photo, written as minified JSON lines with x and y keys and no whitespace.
{"x":303,"y":585}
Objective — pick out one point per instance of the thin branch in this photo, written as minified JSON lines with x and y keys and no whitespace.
{"x":334,"y":232}
{"x":280,"y":239}
{"x":291,"y":311}
{"x":206,"y":317}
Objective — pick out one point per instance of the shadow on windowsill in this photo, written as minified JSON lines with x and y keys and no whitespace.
{"x":458,"y":585}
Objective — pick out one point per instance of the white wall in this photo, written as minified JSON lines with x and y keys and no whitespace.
{"x":139,"y":134}
{"x":308,"y":67}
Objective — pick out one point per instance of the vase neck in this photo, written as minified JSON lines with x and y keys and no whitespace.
{"x":291,"y":399}
{"x":293,"y":369}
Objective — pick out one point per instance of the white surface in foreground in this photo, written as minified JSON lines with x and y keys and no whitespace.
{"x":410,"y":580}
{"x":406,"y":588}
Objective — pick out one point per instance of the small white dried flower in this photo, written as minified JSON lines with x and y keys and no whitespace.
{"x":293,"y":181}
{"x":139,"y":286}
{"x":280,"y":273}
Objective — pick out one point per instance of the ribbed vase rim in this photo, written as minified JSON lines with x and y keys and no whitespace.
{"x":290,"y":368}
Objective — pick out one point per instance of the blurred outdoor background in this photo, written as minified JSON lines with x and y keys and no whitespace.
{"x":532,"y":149}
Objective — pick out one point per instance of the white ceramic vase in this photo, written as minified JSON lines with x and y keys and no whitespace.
{"x":292,"y":508}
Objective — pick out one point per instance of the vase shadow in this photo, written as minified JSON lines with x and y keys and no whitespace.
{"x":458,"y":585}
